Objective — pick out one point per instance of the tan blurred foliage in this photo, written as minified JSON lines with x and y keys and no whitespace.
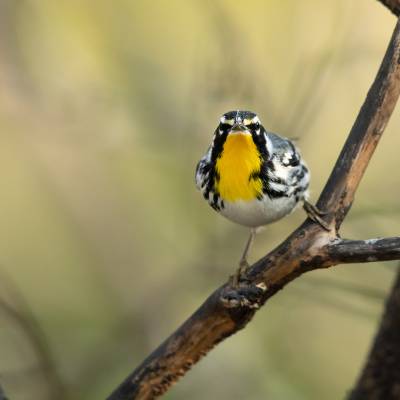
{"x":105,"y":108}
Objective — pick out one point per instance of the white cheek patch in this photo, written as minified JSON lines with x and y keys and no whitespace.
{"x":208,"y":155}
{"x":268,"y":142}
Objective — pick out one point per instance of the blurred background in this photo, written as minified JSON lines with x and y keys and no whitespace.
{"x":105,"y":244}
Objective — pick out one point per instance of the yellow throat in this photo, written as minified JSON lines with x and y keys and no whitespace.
{"x":239,"y":160}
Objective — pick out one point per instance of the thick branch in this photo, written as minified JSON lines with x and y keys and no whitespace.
{"x":228,"y":310}
{"x":358,"y":251}
{"x":338,"y":194}
{"x":381,"y":376}
{"x":392,"y":5}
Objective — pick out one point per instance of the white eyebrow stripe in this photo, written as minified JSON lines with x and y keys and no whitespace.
{"x":223,"y":120}
{"x":253,"y":120}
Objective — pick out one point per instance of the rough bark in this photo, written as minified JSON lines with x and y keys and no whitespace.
{"x":309,"y":247}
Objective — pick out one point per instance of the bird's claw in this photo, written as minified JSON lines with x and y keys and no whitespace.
{"x":316,"y":215}
{"x":244,"y":296}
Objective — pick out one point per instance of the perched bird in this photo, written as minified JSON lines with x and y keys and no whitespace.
{"x":252,"y":177}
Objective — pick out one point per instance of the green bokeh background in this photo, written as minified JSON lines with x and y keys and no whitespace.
{"x":105,"y":245}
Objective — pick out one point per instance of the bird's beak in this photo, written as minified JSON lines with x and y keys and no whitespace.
{"x":239,"y":128}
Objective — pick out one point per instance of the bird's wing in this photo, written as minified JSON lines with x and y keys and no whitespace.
{"x":285,"y":171}
{"x":203,"y":169}
{"x":284,"y":150}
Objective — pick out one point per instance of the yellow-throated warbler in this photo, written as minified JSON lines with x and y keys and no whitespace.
{"x":251,"y":176}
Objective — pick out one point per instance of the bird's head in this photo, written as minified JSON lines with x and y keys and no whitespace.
{"x":239,"y":122}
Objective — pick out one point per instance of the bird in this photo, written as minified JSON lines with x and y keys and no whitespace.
{"x":253,"y":177}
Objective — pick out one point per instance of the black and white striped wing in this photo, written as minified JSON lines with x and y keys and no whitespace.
{"x":286,"y":173}
{"x":203,"y":169}
{"x":205,"y":175}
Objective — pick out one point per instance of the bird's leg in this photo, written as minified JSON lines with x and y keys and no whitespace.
{"x":315,"y":214}
{"x":243,"y":264}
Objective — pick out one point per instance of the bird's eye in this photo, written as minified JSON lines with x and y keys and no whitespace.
{"x":255,"y":126}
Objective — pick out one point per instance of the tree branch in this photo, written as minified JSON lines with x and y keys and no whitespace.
{"x":392,"y":5}
{"x":338,"y":194}
{"x":381,"y":376}
{"x":359,"y":251}
{"x":309,"y":247}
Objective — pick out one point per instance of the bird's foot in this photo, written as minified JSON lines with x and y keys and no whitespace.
{"x":245,"y":295}
{"x":234,"y":279}
{"x":315,"y":215}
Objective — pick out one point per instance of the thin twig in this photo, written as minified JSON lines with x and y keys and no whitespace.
{"x":371,"y":250}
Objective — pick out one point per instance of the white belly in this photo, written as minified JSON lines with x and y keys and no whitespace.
{"x":256,"y":213}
